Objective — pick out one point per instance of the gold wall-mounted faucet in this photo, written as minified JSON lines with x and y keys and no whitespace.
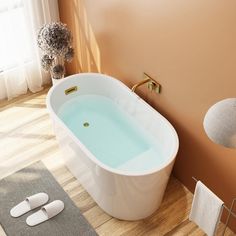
{"x":153,"y":85}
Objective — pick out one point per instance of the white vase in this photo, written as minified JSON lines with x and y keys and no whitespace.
{"x":56,"y":81}
{"x":57,"y":61}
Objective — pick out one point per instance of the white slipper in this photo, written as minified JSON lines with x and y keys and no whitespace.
{"x":29,"y":204}
{"x":46,"y":212}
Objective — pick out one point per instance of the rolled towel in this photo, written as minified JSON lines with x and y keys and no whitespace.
{"x":206,"y":209}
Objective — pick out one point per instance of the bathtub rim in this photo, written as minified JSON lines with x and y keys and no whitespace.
{"x":89,"y":153}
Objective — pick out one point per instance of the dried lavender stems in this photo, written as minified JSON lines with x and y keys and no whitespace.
{"x":54,"y":39}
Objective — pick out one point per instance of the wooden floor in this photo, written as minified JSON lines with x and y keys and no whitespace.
{"x":26,"y":136}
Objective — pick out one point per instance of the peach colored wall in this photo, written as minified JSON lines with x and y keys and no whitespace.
{"x":189,"y":46}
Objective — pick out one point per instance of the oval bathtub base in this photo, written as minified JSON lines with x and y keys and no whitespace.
{"x":121,"y":150}
{"x":112,"y":136}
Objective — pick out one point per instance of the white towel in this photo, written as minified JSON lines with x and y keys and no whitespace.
{"x":206,"y":209}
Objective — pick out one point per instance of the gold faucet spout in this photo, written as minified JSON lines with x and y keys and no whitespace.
{"x":140,"y":83}
{"x":153,"y":85}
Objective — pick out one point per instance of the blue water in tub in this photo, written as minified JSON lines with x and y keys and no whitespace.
{"x":110,"y":134}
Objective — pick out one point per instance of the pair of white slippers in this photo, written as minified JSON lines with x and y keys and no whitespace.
{"x":45,"y":213}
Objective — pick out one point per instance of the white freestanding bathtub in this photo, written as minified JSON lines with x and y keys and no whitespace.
{"x":121,"y":150}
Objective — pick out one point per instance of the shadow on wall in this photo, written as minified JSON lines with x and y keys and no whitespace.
{"x":121,"y":34}
{"x":87,"y":53}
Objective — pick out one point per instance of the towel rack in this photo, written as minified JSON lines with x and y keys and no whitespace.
{"x":230,"y":210}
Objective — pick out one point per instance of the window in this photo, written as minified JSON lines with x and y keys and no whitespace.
{"x":14,"y":35}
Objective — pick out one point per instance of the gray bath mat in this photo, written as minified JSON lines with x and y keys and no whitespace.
{"x":26,"y":182}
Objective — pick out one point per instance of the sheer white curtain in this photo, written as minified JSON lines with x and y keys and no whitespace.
{"x":20,"y":21}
